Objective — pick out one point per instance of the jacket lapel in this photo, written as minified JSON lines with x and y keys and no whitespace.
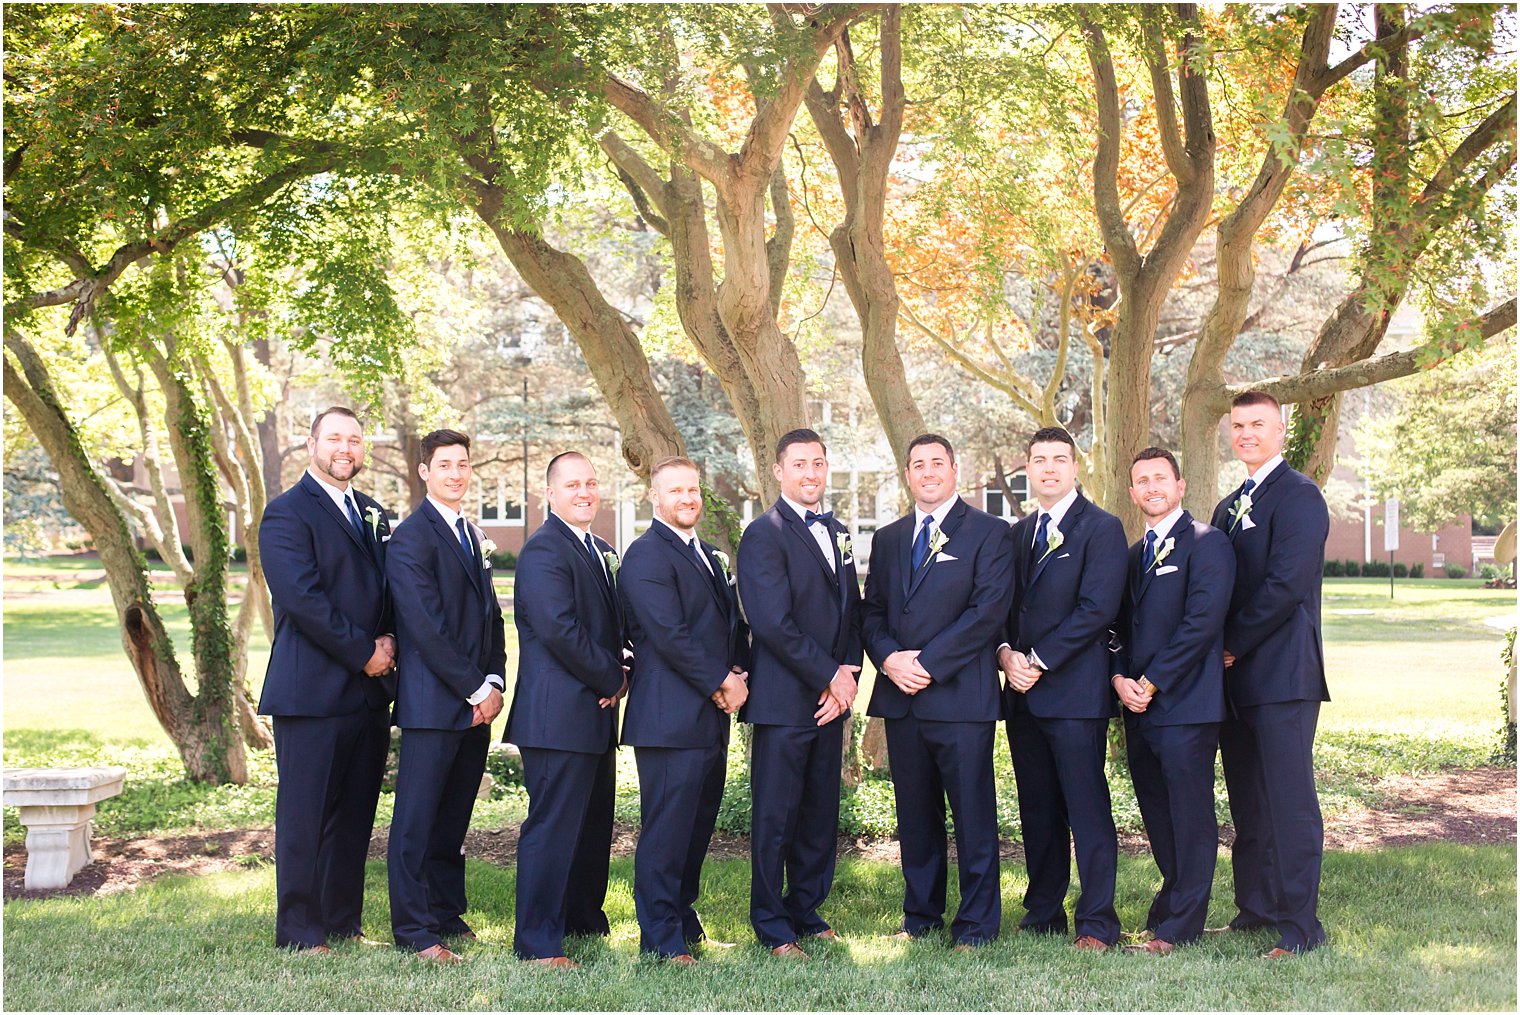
{"x":1181,"y":536}
{"x":314,"y":488}
{"x":1068,"y":528}
{"x":953,"y":519}
{"x":459,"y":553}
{"x":683,"y":550}
{"x":579,"y":549}
{"x":804,"y":532}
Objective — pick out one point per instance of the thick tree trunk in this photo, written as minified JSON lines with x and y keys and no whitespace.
{"x":200,"y":734}
{"x":863,"y":159}
{"x":189,"y":425}
{"x":1127,"y":407}
{"x":609,"y":345}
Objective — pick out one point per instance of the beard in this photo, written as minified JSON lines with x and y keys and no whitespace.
{"x":326,"y":465}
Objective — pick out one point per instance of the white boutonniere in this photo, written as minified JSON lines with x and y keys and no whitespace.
{"x":936,"y":543}
{"x":487,"y":547}
{"x":1053,"y":541}
{"x":372,"y":513}
{"x":613,"y":562}
{"x":725,"y":564}
{"x":1163,"y":550}
{"x":846,"y":548}
{"x":1241,"y":508}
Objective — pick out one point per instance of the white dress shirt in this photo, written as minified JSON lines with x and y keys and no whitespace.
{"x":339,"y":496}
{"x":938,"y":514}
{"x":450,"y":516}
{"x":1163,"y":528}
{"x":820,"y":531}
{"x":1261,"y":474}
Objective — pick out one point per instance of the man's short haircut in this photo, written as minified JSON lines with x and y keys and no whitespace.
{"x":442,"y":439}
{"x":554,"y":464}
{"x":1254,"y":397}
{"x":673,"y":462}
{"x":333,"y":410}
{"x":802,"y":435}
{"x":931,"y":438}
{"x":1047,"y":434}
{"x":1150,"y":454}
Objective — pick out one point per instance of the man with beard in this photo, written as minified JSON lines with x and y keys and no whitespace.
{"x":692,"y":648}
{"x":328,"y":686}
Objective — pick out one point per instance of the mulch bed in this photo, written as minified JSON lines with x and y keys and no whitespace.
{"x":1474,"y":807}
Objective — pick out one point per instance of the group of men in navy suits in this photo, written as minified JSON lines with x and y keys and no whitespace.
{"x":1204,"y":637}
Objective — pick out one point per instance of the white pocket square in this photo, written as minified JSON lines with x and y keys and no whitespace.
{"x":1166,"y":570}
{"x":385,"y":538}
{"x":944,"y":558}
{"x":1246,"y":523}
{"x":1063,"y":556}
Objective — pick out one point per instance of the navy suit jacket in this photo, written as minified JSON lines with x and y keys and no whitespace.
{"x":804,"y":617}
{"x":449,"y":629}
{"x":1273,"y":628}
{"x":330,"y":604}
{"x":570,"y":638}
{"x":686,"y":634}
{"x":1064,"y":606}
{"x":1171,"y":626}
{"x":952,"y":611}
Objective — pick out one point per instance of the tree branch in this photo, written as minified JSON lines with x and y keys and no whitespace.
{"x":1116,"y":234}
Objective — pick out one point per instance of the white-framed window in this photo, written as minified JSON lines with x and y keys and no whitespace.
{"x":496,"y":504}
{"x":995,"y":502}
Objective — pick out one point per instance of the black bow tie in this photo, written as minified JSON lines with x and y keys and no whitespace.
{"x":814,"y":516}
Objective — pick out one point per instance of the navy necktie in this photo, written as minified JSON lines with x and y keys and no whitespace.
{"x":921,"y":544}
{"x":814,"y":516}
{"x":1245,"y":490}
{"x":353,"y":515}
{"x":464,"y":538}
{"x":596,"y":559}
{"x":1041,"y":541}
{"x":1149,"y":557}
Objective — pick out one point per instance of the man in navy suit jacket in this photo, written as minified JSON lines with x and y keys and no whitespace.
{"x":573,"y":658}
{"x":692,"y":649}
{"x":1168,"y":672}
{"x":1069,"y":579}
{"x":801,"y":595}
{"x":328,"y":685}
{"x":1275,"y":681}
{"x":449,"y":684}
{"x":936,"y":599}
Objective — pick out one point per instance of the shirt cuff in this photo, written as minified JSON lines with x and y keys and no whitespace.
{"x":1002,"y":646}
{"x":1034,"y":657}
{"x":492,"y":682}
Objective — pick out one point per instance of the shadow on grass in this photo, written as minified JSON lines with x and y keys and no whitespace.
{"x":1423,"y":927}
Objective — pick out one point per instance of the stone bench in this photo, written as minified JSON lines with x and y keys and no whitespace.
{"x":57,"y":805}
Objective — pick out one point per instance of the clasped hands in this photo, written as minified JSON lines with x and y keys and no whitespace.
{"x":836,"y":699}
{"x":1132,"y":695}
{"x":384,"y":658}
{"x":903,"y":669}
{"x":732,"y":693}
{"x":1020,"y":672}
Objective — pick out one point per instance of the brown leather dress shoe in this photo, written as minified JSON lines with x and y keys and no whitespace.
{"x":901,"y":935}
{"x":1154,"y":946}
{"x":682,"y":960}
{"x":1089,"y":943}
{"x":789,"y":951}
{"x":314,"y":950}
{"x":1280,"y":953}
{"x":468,"y":935}
{"x":440,"y":955}
{"x":556,"y":962}
{"x":829,"y":934}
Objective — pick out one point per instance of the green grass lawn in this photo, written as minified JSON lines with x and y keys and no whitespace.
{"x":1430,"y":927}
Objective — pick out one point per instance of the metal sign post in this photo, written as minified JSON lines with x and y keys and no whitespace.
{"x":1390,"y":535}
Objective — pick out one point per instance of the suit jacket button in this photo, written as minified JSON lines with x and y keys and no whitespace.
{"x":907,"y":609}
